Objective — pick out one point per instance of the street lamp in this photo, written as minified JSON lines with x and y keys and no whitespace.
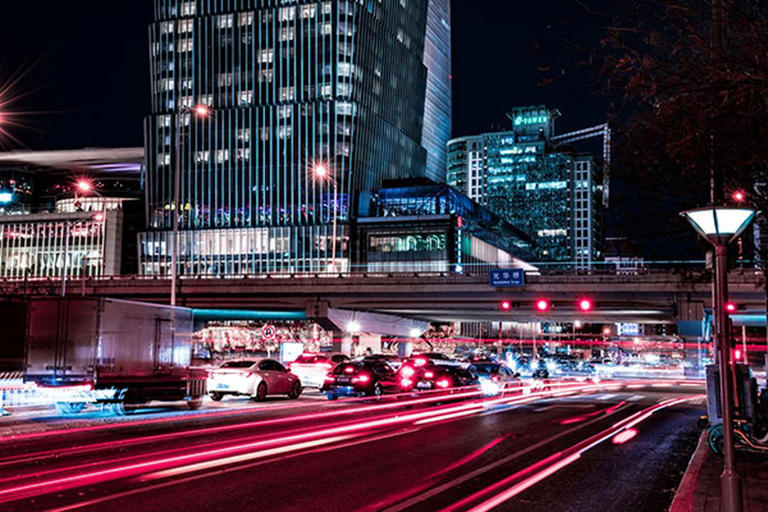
{"x":201,"y":111}
{"x":720,"y":225}
{"x":323,"y":174}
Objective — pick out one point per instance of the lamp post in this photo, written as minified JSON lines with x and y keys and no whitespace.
{"x":720,"y":225}
{"x":201,"y":111}
{"x":322,"y":174}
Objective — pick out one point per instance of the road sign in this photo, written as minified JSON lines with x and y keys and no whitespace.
{"x":268,"y":332}
{"x":507,"y":277}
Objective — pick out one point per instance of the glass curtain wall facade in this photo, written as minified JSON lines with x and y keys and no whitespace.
{"x":53,"y":245}
{"x":289,"y":85}
{"x":552,"y":196}
{"x":437,"y":105}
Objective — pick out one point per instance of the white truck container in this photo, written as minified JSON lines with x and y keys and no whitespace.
{"x":114,"y":352}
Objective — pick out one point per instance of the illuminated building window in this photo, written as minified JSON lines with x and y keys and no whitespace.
{"x":225,"y":21}
{"x":287,"y":14}
{"x":246,"y":18}
{"x":308,"y":11}
{"x":188,"y":9}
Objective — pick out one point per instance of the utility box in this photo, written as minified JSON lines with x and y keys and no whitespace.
{"x":744,"y":396}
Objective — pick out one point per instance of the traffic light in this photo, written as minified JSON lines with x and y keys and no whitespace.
{"x":505,"y":305}
{"x":585,"y":304}
{"x":543,"y":305}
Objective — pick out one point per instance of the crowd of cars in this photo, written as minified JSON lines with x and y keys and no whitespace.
{"x":336,"y":375}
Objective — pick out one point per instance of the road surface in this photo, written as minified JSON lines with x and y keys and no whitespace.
{"x":577,"y":446}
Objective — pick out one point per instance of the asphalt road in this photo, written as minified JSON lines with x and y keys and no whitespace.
{"x":554,"y":449}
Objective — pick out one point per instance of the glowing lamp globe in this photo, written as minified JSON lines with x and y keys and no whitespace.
{"x":719,"y":224}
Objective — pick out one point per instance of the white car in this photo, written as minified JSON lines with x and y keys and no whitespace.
{"x":495,"y":377}
{"x":256,"y":378}
{"x":312,"y":368}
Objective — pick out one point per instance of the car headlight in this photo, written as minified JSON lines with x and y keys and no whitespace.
{"x":489,"y":387}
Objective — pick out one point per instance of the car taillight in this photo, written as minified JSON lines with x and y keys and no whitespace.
{"x":495,"y":378}
{"x":330,"y":378}
{"x":326,"y":366}
{"x":419,"y":361}
{"x":244,"y":374}
{"x":406,"y":383}
{"x":362,"y":378}
{"x":407,"y":371}
{"x":442,"y":383}
{"x":428,"y":374}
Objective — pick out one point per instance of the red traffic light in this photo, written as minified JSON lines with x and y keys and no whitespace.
{"x":738,"y":196}
{"x":543,"y":305}
{"x":506,"y":305}
{"x":731,"y":307}
{"x":585,"y":305}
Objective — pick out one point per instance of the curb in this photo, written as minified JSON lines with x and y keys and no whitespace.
{"x":683,"y":500}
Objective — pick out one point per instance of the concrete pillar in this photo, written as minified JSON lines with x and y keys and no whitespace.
{"x":342,"y":342}
{"x":690,"y":327}
{"x":404,"y":348}
{"x":366,"y":341}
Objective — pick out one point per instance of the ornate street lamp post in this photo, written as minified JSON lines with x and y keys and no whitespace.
{"x":720,"y":225}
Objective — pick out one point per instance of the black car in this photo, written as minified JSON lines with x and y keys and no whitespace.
{"x":434,"y":376}
{"x":359,"y":378}
{"x":453,"y":377}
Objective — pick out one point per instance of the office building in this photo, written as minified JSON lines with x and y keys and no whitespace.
{"x":69,"y":213}
{"x":529,"y":177}
{"x":437,"y":103}
{"x":305,"y":103}
{"x":423,"y":226}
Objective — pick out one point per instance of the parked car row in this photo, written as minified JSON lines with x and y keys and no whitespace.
{"x":337,"y":375}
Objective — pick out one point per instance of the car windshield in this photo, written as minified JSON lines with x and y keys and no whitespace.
{"x":488,"y":369}
{"x":311,"y":359}
{"x":238,"y":364}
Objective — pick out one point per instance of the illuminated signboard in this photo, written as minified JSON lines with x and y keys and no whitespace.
{"x":5,"y":197}
{"x":521,"y":120}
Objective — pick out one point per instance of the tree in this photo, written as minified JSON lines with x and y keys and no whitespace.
{"x":691,"y":82}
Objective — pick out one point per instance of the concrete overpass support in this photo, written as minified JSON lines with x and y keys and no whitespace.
{"x":689,"y":316}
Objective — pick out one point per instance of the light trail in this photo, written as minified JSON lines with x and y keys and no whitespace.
{"x":562,"y":459}
{"x":191,"y":461}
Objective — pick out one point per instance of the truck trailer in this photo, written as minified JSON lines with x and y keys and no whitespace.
{"x":114,"y":353}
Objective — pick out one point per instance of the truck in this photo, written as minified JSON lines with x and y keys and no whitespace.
{"x":110,"y":353}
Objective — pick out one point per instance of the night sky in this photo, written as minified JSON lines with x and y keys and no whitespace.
{"x":88,"y":66}
{"x":87,"y":83}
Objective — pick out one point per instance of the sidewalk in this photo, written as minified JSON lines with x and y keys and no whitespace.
{"x":699,"y":490}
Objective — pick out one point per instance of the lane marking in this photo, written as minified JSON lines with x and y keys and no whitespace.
{"x":484,"y":469}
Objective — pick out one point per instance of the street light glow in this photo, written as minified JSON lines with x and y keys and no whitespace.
{"x":719,"y":224}
{"x":321,"y":171}
{"x":542,"y":304}
{"x":738,"y":196}
{"x":202,"y":111}
{"x":353,"y":326}
{"x":84,"y":186}
{"x":585,"y":305}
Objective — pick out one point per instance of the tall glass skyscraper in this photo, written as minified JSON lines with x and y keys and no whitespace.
{"x":437,"y":105}
{"x":291,"y":86}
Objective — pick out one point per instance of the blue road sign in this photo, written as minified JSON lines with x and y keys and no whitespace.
{"x":507,"y":277}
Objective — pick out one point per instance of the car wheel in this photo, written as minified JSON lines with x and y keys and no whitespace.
{"x":194,"y":403}
{"x":261,"y":392}
{"x":215,"y":396}
{"x":295,"y":391}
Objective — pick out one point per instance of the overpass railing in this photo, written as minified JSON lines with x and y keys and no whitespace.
{"x":686,"y":270}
